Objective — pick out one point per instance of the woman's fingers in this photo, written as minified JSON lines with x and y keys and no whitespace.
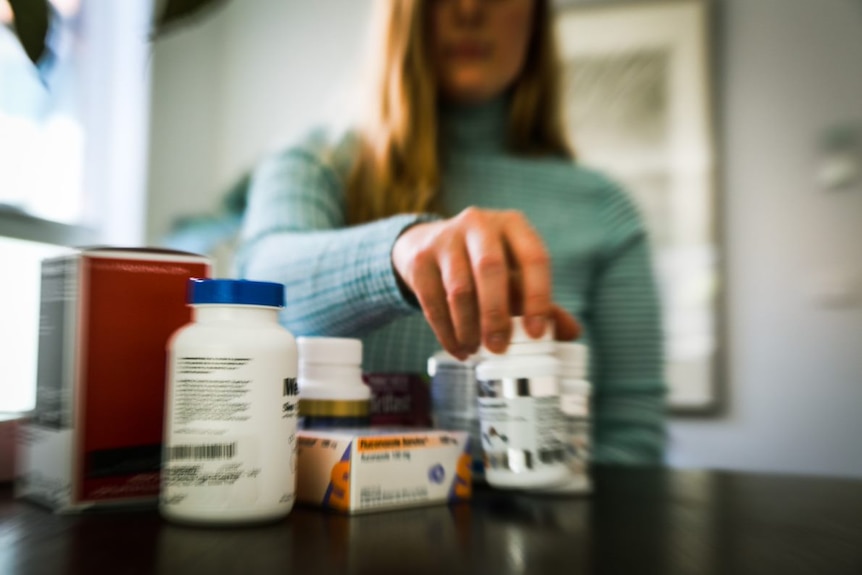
{"x":566,"y":327}
{"x":427,"y":286}
{"x":472,"y":272}
{"x":461,"y":298}
{"x":491,"y":275}
{"x":529,"y":256}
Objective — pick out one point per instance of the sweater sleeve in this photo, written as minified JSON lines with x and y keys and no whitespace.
{"x":339,"y":280}
{"x":627,"y":342}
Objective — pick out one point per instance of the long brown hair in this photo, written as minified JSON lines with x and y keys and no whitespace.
{"x":397,"y":170}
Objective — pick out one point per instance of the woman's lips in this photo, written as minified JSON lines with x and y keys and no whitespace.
{"x":469,"y":50}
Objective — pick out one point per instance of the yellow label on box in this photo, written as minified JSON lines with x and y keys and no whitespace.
{"x":411,"y":441}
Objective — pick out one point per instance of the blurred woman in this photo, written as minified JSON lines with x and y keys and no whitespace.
{"x":455,"y":203}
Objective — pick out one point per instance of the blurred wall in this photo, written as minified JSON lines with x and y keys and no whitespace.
{"x":791,"y":69}
{"x":234,"y":85}
{"x":229,"y":88}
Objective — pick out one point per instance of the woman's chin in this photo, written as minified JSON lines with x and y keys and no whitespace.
{"x":471,"y":92}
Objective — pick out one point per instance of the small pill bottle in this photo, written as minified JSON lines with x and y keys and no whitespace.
{"x":231,"y":407}
{"x":519,"y":413}
{"x":332,"y":393}
{"x":575,"y":392}
{"x":453,"y":401}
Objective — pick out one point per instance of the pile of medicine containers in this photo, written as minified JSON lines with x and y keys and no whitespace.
{"x":528,"y":409}
{"x":233,"y":399}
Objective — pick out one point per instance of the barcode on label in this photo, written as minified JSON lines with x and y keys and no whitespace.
{"x":210,"y":451}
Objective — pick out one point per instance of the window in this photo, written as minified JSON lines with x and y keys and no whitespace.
{"x":72,"y":158}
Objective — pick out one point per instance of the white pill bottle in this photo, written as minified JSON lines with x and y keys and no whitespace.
{"x":575,"y":393}
{"x":231,"y":408}
{"x":332,"y":393}
{"x":519,"y":413}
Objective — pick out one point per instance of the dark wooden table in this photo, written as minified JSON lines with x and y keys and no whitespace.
{"x":638,"y":521}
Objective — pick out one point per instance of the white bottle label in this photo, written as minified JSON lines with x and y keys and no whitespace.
{"x":576,"y":414}
{"x":521,"y":424}
{"x":231,"y":432}
{"x":578,"y":444}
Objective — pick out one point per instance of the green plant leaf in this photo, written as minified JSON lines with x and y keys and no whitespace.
{"x":176,"y":13}
{"x":32,"y":20}
{"x":31,"y":25}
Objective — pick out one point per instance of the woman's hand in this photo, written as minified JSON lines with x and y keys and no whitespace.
{"x":471,"y":273}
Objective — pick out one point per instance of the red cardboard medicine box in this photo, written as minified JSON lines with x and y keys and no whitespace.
{"x":105,"y":317}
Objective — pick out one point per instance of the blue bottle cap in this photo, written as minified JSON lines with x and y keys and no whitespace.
{"x":235,"y":292}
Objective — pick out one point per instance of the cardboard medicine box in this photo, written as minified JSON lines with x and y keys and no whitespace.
{"x":360,"y":470}
{"x":105,"y":318}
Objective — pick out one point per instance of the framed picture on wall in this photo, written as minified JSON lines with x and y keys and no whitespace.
{"x":638,"y":105}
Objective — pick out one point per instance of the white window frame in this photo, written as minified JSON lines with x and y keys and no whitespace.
{"x":115,"y":118}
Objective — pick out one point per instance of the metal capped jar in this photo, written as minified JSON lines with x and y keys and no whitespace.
{"x":519,"y":413}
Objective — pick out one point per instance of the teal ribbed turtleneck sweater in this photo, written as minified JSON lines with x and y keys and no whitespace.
{"x":340,"y":280}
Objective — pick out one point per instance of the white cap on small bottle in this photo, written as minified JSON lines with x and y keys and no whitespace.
{"x":444,"y":357}
{"x":522,"y":341}
{"x":330,"y":369}
{"x":520,"y":335}
{"x":330,"y":350}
